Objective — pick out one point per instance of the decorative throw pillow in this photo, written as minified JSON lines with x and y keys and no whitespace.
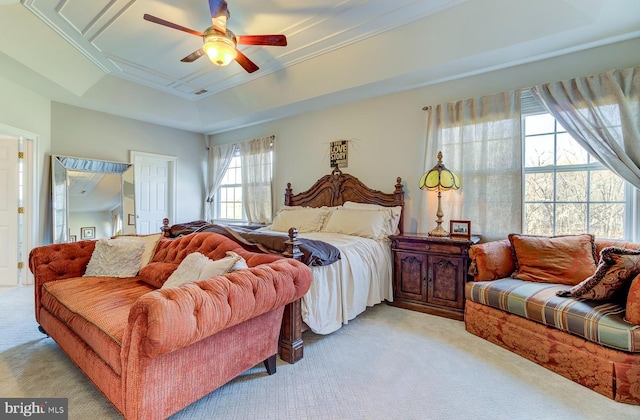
{"x":616,"y":268}
{"x":491,"y":260}
{"x":365,"y":223}
{"x":558,"y":259}
{"x":305,"y":219}
{"x":150,"y":245}
{"x":632,"y":314}
{"x":196,"y":266}
{"x":115,"y":258}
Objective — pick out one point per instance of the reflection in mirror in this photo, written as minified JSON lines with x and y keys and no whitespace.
{"x":92,"y":199}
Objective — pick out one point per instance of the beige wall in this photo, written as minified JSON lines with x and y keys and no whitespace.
{"x":84,"y":133}
{"x":388,"y":133}
{"x":23,"y":110}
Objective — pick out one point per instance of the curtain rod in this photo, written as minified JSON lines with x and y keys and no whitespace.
{"x":425,"y":108}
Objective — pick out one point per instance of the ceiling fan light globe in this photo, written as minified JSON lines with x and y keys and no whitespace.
{"x":220,"y":51}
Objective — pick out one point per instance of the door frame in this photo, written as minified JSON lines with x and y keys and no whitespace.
{"x":30,"y":198}
{"x":172,"y":181}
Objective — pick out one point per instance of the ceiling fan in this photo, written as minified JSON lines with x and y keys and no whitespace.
{"x":219,"y":42}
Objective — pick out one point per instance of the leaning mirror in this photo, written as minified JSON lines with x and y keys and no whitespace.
{"x":91,"y":199}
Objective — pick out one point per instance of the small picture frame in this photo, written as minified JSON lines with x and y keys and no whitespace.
{"x":132,"y":219}
{"x":87,"y":233}
{"x":460,"y":228}
{"x":73,"y":238}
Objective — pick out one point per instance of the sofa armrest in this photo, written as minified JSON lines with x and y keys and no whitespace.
{"x":491,"y":260}
{"x":60,"y":261}
{"x":165,"y":320}
{"x":56,"y":262}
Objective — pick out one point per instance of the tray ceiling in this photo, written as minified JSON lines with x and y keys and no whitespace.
{"x":102,"y":55}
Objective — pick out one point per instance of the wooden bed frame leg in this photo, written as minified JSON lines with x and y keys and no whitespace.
{"x":291,"y":345}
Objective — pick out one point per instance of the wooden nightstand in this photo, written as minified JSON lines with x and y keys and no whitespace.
{"x":429,"y":273}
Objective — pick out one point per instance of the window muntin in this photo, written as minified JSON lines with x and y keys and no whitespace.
{"x":567,"y":191}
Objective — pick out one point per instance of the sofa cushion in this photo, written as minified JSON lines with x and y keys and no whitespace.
{"x":617,"y":267}
{"x":491,"y":260}
{"x":558,"y":259}
{"x":115,"y":258}
{"x":600,"y":322}
{"x":632,"y":314}
{"x":98,"y":320}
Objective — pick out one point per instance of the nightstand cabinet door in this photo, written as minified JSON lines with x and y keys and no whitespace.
{"x":411,"y":276}
{"x":446,"y":279}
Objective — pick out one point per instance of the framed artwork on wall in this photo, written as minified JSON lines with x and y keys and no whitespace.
{"x":73,"y":238}
{"x":460,"y":228}
{"x":87,"y":233}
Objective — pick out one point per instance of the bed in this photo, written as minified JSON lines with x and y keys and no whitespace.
{"x":341,"y":211}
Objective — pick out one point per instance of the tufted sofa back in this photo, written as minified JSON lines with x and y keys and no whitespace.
{"x":170,"y":253}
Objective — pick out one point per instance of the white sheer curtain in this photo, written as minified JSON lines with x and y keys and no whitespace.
{"x":602,"y":113}
{"x":219,"y":160}
{"x":257,"y":175}
{"x":481,"y":141}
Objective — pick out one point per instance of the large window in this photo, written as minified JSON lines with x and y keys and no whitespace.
{"x":228,"y":202}
{"x":566,"y":191}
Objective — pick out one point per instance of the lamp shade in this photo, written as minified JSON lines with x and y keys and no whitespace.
{"x":439,"y":178}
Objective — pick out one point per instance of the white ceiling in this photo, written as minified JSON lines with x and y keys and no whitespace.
{"x":102,"y":55}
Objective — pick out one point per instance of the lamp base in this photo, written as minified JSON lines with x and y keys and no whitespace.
{"x":438,"y":231}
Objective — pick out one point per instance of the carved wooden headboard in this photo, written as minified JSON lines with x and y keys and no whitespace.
{"x":336,"y":188}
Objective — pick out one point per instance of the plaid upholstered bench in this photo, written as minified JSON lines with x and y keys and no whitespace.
{"x":588,"y":341}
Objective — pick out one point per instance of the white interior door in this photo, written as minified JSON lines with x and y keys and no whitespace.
{"x":154,"y":177}
{"x":9,"y":211}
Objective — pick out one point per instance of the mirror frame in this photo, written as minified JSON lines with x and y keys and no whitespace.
{"x":60,"y":166}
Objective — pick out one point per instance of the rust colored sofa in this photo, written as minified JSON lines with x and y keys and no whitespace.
{"x":593,"y":343}
{"x":153,"y":351}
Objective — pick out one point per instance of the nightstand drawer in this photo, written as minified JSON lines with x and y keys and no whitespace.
{"x":431,"y":247}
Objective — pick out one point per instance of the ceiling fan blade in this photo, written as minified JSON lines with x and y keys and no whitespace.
{"x":274,"y":40}
{"x":193,"y":56}
{"x":168,"y":24}
{"x":219,"y":15}
{"x":246,"y":64}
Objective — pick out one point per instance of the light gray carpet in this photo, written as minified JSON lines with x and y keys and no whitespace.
{"x":388,"y":363}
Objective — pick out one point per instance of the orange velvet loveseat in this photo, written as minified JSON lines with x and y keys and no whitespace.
{"x":592,"y":340}
{"x":153,"y":351}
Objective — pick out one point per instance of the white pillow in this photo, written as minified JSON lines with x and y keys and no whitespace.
{"x":366,"y":223}
{"x":395,"y":212}
{"x":115,"y":258}
{"x":150,"y":245}
{"x":196,"y":266}
{"x":305,"y":219}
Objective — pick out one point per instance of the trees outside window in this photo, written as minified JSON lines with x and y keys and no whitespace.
{"x":566,"y":191}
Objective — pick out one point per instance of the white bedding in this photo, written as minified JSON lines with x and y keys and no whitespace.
{"x":342,"y":290}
